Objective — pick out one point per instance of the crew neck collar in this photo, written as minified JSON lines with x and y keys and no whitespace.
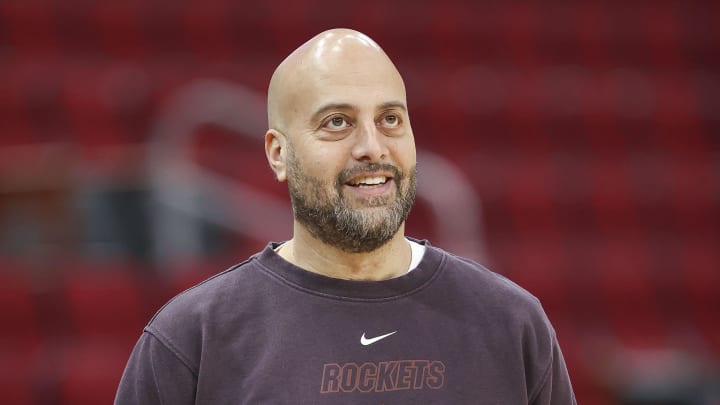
{"x":318,"y":284}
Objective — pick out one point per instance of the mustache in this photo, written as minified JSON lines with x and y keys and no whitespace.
{"x":371,"y":168}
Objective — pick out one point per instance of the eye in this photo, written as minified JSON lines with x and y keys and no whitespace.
{"x":336,"y":123}
{"x":390,"y":121}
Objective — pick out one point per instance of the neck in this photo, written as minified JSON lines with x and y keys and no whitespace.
{"x":388,"y":261}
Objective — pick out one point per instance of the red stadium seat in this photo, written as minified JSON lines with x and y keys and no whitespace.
{"x":20,"y":336}
{"x":701,"y":279}
{"x":106,"y":303}
{"x":17,"y":376}
{"x":89,"y":374}
{"x":624,"y":278}
{"x":19,"y":321}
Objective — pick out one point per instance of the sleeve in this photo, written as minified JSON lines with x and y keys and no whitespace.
{"x":155,"y":375}
{"x":556,"y":388}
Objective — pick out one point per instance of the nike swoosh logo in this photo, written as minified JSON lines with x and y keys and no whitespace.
{"x":368,"y":341}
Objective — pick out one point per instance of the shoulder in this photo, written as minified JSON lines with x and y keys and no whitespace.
{"x":182,"y":320}
{"x":489,"y":299}
{"x":489,"y":291}
{"x":479,"y":278}
{"x":214,"y":291}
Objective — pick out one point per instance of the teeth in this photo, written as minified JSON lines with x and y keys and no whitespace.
{"x":370,"y":181}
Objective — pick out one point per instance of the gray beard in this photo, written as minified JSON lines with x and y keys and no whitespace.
{"x":331,"y":220}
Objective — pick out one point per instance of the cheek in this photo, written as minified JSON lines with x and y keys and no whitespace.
{"x":324,"y":162}
{"x":405,"y":154}
{"x":326,"y":159}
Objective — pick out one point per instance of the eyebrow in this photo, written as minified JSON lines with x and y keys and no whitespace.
{"x":331,"y":106}
{"x":394,"y":104}
{"x":347,"y":106}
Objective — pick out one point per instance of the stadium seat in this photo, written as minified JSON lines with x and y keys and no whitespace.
{"x":19,"y":321}
{"x":17,"y":376}
{"x":20,"y":336}
{"x":106,"y":303}
{"x":89,"y":374}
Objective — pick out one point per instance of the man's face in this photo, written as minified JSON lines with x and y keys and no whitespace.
{"x":351,"y":154}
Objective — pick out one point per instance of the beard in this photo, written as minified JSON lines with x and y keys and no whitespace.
{"x":329,"y":217}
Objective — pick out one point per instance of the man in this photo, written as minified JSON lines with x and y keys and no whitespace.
{"x":349,"y":310}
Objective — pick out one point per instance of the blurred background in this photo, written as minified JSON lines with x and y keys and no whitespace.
{"x":573,"y":146}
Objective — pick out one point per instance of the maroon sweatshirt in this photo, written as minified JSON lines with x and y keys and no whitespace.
{"x":268,"y":332}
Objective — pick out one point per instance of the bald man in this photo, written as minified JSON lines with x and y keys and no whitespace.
{"x":340,"y":135}
{"x":348,"y":310}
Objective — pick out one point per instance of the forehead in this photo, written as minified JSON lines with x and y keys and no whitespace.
{"x":362,"y":85}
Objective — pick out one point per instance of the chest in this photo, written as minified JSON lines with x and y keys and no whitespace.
{"x":363,"y":354}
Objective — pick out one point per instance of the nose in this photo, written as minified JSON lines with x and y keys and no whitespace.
{"x":370,"y":144}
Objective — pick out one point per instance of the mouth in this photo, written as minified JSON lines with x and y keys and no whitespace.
{"x":370,"y":185}
{"x":369,"y":181}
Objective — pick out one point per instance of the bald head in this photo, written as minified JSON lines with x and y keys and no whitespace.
{"x":337,"y":54}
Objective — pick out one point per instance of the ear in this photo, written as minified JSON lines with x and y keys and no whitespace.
{"x":275,"y":151}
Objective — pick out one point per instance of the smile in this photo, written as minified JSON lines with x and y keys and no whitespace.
{"x":367,"y":182}
{"x":370,"y":186}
